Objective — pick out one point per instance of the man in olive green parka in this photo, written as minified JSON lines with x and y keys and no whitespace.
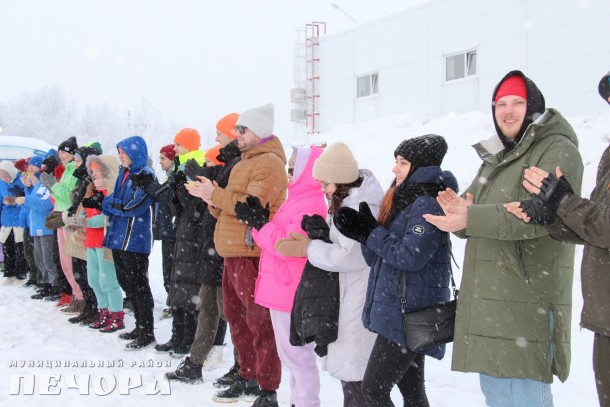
{"x":581,"y":221}
{"x":515,"y":304}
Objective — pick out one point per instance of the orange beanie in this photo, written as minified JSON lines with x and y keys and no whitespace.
{"x":212,"y":155}
{"x":188,"y":138}
{"x":226,"y":125}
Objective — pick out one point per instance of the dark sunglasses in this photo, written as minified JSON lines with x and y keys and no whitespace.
{"x":240,"y":129}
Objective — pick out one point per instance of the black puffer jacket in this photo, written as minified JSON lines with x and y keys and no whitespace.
{"x":315,"y":311}
{"x":211,"y":263}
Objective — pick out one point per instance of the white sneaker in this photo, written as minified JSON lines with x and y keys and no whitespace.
{"x":214,"y":359}
{"x":9,"y":281}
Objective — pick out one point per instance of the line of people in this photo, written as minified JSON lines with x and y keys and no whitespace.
{"x":310,"y":262}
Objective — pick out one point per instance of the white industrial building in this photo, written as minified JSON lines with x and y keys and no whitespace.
{"x":446,"y":56}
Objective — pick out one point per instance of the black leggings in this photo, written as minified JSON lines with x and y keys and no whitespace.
{"x":391,"y":364}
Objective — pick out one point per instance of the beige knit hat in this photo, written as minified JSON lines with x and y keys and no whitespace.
{"x":336,"y":165}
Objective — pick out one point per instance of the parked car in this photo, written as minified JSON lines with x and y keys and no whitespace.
{"x":13,"y":147}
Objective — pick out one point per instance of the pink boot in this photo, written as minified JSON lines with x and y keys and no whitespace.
{"x":116,"y":322}
{"x":104,"y":316}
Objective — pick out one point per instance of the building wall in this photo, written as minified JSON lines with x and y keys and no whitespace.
{"x":563,"y":45}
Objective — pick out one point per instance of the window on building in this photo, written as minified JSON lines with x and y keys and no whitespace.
{"x":461,"y":65}
{"x":367,"y":85}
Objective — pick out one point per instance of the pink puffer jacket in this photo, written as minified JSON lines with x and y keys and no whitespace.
{"x":278,"y":276}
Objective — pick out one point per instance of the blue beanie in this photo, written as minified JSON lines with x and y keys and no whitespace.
{"x":50,"y":153}
{"x":36,"y":160}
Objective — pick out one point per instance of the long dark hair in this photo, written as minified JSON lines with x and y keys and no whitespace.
{"x":341,"y":193}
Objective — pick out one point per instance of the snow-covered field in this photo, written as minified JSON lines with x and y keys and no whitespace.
{"x":35,"y":336}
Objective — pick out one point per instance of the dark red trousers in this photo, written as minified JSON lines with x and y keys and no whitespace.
{"x":251,"y":328}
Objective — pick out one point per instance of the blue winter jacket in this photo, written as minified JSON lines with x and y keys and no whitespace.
{"x":10,"y":213}
{"x":413,"y":246}
{"x":129,"y":208}
{"x":24,"y":211}
{"x":38,"y":203}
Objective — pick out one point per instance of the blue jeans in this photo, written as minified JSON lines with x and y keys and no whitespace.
{"x":507,"y":392}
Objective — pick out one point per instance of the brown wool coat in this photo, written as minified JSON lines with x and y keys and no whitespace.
{"x":261,"y":173}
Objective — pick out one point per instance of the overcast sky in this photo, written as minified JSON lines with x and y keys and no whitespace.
{"x":195,"y":60}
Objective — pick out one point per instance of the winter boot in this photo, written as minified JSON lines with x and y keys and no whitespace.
{"x":241,"y":390}
{"x":187,"y":372}
{"x":165,"y":347}
{"x":104,"y":319}
{"x":76,"y":307}
{"x":179,"y":350}
{"x":141,"y":341}
{"x":268,"y":398}
{"x":229,"y":378}
{"x":116,"y":322}
{"x":42,"y":293}
{"x":85,"y":316}
{"x":130,"y":336}
{"x":214,"y":358}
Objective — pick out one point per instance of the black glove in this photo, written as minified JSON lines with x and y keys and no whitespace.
{"x":539,"y":213}
{"x":554,"y":191}
{"x":252,"y":212}
{"x":16,"y":191}
{"x":95,"y":201}
{"x":192,"y":169}
{"x":80,"y":172}
{"x":316,"y":227}
{"x":142,"y":179}
{"x":178,"y":179}
{"x":50,"y":163}
{"x":355,"y":225}
{"x":77,"y":195}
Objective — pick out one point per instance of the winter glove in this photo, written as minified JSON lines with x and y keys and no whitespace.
{"x":81,"y":172}
{"x":555,"y":191}
{"x":70,"y":220}
{"x":294,"y":246}
{"x":355,"y":225}
{"x":16,"y":191}
{"x":316,"y":227}
{"x":142,"y":179}
{"x":539,"y":213}
{"x":178,"y":179}
{"x":77,"y":194}
{"x":192,"y":169}
{"x":252,"y":212}
{"x":47,"y":180}
{"x":95,"y":201}
{"x":54,"y":221}
{"x":50,"y":163}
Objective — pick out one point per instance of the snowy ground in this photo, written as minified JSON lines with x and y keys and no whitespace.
{"x":35,"y":332}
